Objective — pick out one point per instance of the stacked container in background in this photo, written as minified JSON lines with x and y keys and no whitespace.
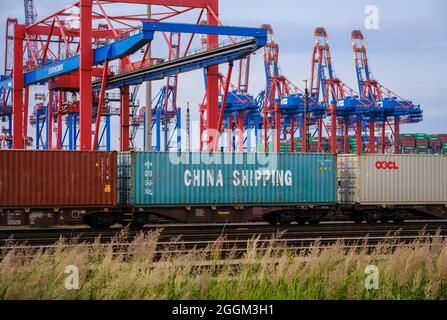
{"x":423,"y":144}
{"x":443,"y":138}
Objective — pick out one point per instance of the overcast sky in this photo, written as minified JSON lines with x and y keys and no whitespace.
{"x":407,"y":53}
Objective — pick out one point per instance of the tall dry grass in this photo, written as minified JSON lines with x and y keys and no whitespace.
{"x":416,"y":271}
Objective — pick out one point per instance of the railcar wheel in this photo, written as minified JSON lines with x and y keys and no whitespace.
{"x":358,"y":218}
{"x":98,"y":222}
{"x":315,"y":218}
{"x":372,"y":217}
{"x":285,"y":218}
{"x":314,"y":221}
{"x":301,"y":220}
{"x":271,"y":220}
{"x":399,"y":217}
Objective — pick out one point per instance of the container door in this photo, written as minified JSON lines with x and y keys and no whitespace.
{"x":347,"y":179}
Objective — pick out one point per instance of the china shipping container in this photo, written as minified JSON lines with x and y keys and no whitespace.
{"x":392,"y":179}
{"x":190,"y":179}
{"x":53,"y":179}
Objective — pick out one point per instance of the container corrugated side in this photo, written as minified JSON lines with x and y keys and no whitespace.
{"x":393,"y":179}
{"x":171,"y":179}
{"x":57,"y":179}
{"x":123,"y":177}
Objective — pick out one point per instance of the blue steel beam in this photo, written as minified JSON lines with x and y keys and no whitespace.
{"x":258,"y":33}
{"x":5,"y":82}
{"x":172,"y":71}
{"x":205,"y":59}
{"x":116,"y":50}
{"x":132,"y":44}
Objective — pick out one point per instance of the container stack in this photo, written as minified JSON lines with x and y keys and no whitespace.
{"x":352,"y":144}
{"x":313,"y":145}
{"x":366,"y":143}
{"x":285,"y":146}
{"x":443,"y":138}
{"x":421,"y":143}
{"x":434,"y":144}
{"x":407,"y":143}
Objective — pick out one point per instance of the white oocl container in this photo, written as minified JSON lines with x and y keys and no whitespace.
{"x":392,"y":179}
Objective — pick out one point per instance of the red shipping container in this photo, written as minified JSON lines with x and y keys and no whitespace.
{"x":422,"y":143}
{"x":313,"y":147}
{"x":435,"y":143}
{"x":55,"y":179}
{"x":407,"y":142}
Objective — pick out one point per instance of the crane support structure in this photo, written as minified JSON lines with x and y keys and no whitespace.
{"x":93,"y":60}
{"x":389,"y":107}
{"x":86,"y":57}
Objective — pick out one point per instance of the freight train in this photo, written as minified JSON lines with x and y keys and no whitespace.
{"x":105,"y":188}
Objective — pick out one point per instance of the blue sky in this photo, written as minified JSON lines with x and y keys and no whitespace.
{"x":408,"y":53}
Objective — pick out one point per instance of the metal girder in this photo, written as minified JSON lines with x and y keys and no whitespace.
{"x":173,"y":3}
{"x":132,"y":44}
{"x":39,"y":30}
{"x":182,"y":65}
{"x":259,"y":33}
{"x":6,"y":83}
{"x":112,"y":51}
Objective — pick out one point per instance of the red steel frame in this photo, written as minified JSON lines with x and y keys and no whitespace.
{"x":333,"y":88}
{"x":52,"y":26}
{"x":278,"y":88}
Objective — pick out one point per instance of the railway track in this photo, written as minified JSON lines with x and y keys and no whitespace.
{"x":177,"y":238}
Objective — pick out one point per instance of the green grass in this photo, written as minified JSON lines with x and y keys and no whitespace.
{"x":416,"y":271}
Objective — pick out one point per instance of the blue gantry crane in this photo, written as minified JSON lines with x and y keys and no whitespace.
{"x":389,"y":108}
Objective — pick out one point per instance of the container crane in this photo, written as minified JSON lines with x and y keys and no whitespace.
{"x":341,"y":102}
{"x":43,"y":114}
{"x":286,"y":107}
{"x":6,"y":91}
{"x":390,"y":108}
{"x":30,"y":19}
{"x":242,"y":112}
{"x":166,"y":116}
{"x":79,"y":65}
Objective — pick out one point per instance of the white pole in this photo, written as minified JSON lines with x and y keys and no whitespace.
{"x":148,"y":115}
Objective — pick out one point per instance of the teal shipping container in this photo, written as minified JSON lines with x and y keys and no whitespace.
{"x":194,"y":179}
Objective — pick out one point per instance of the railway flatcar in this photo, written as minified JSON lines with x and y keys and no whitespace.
{"x":105,"y":188}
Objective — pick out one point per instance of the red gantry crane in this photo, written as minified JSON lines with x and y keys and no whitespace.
{"x":63,"y":55}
